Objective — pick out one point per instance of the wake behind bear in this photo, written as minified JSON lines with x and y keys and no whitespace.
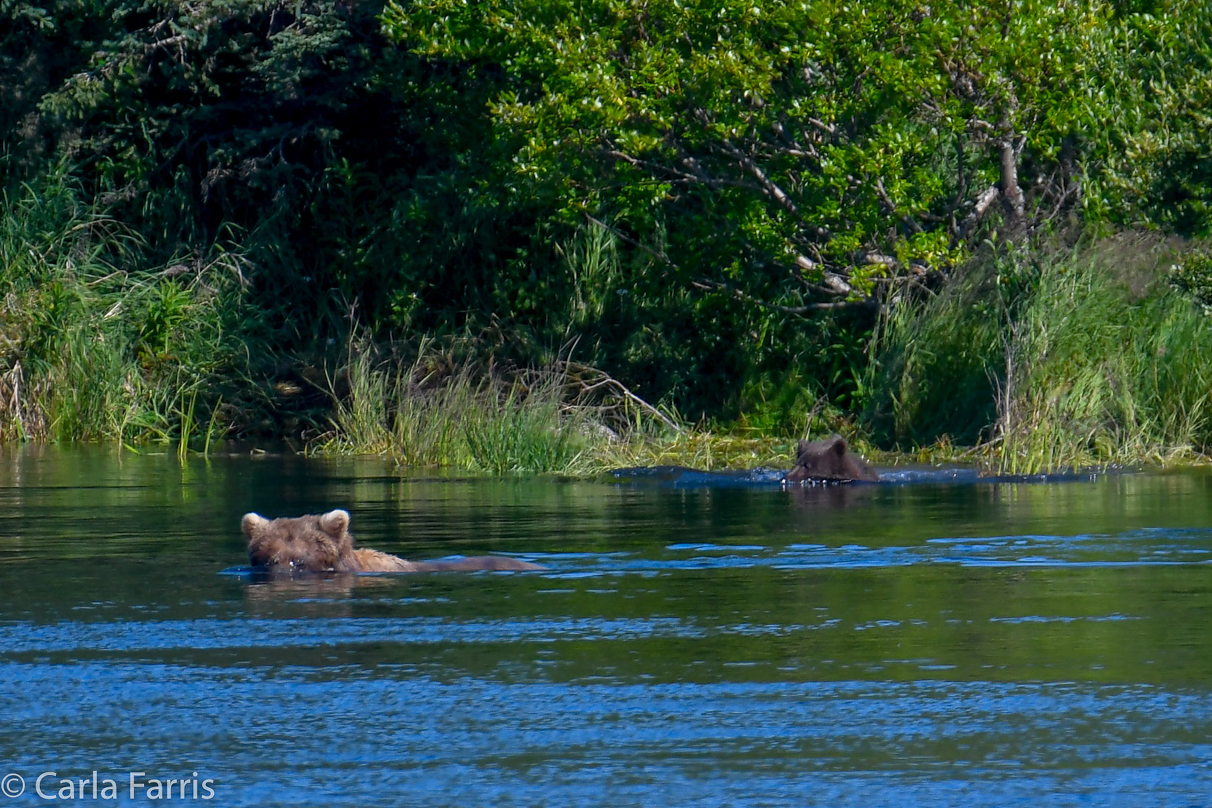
{"x":323,"y":543}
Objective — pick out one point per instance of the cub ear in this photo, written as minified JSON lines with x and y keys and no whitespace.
{"x":335,"y":523}
{"x":252,"y":522}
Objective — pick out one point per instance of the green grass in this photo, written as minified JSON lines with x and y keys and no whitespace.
{"x":569,"y":420}
{"x":1052,"y":360}
{"x":99,"y":343}
{"x":1101,"y":374}
{"x":423,"y":414}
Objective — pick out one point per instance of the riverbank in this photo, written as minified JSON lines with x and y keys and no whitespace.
{"x":1034,"y":356}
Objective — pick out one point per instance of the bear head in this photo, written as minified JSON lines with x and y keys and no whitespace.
{"x":319,"y":543}
{"x":829,"y":459}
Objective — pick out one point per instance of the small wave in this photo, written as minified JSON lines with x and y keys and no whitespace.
{"x":1138,"y":548}
{"x":682,"y":477}
{"x":899,"y":476}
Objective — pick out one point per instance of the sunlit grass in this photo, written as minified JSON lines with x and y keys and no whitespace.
{"x":95,"y":343}
{"x":1050,"y":361}
{"x":695,"y":448}
{"x":533,"y":422}
{"x":1100,"y":375}
{"x":423,"y":417}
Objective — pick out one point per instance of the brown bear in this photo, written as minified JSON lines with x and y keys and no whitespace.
{"x":323,"y":544}
{"x":829,"y":460}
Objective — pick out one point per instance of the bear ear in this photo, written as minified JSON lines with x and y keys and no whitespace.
{"x":252,"y":522}
{"x":839,"y":446}
{"x":335,"y":523}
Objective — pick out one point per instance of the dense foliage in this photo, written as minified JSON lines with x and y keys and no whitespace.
{"x":716,"y":203}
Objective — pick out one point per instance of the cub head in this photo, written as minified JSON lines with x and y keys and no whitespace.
{"x":829,"y":459}
{"x":314,"y":543}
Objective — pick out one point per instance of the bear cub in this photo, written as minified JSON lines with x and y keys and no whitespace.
{"x":829,"y":460}
{"x":323,"y":543}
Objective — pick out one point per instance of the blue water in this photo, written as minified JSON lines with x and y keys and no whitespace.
{"x":937,"y":641}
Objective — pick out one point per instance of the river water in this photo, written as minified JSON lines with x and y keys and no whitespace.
{"x":936,"y":642}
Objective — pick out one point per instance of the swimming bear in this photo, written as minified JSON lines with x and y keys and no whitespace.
{"x":323,"y":543}
{"x":829,"y":460}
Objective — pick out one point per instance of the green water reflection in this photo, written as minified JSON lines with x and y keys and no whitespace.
{"x":889,"y":583}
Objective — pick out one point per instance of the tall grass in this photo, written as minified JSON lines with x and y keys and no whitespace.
{"x":567,"y":419}
{"x":96,"y":341}
{"x":1053,"y":359}
{"x":425,"y":415}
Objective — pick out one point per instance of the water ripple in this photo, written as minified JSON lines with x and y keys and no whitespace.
{"x":1135,"y":548}
{"x":291,"y":737}
{"x":209,"y":634}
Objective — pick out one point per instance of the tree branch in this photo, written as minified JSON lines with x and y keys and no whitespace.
{"x":1012,"y":192}
{"x":771,"y":189}
{"x":606,"y":379}
{"x":986,"y":198}
{"x":835,"y":283}
{"x":716,"y":286}
{"x":882,"y":193}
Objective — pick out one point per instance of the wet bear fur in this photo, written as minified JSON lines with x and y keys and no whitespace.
{"x":323,"y":543}
{"x":829,"y":460}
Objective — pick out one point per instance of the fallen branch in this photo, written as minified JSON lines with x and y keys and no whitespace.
{"x":606,"y":380}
